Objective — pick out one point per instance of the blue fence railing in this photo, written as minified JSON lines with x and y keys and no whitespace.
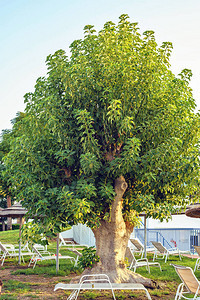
{"x":183,"y":238}
{"x":152,"y":235}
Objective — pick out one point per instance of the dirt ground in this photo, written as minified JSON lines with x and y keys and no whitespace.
{"x":41,"y":287}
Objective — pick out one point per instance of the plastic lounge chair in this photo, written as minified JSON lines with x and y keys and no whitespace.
{"x":160,"y":250}
{"x":190,"y":283}
{"x":140,"y":247}
{"x":70,"y":243}
{"x":9,"y":247}
{"x":46,"y":255}
{"x":9,"y":250}
{"x":40,"y":247}
{"x":25,"y":247}
{"x":64,"y":243}
{"x":197,"y":249}
{"x":78,"y":254}
{"x":98,"y":282}
{"x":101,"y":278}
{"x":142,"y":262}
{"x":15,"y":248}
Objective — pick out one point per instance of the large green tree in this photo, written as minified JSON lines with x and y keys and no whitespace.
{"x":109,"y":132}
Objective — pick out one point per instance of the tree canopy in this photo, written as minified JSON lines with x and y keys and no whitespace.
{"x":4,"y":182}
{"x":5,"y":146}
{"x":113,"y":108}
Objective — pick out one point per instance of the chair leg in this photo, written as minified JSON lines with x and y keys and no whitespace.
{"x":31,"y":261}
{"x":29,"y":264}
{"x":3,"y":258}
{"x":160,"y":267}
{"x":179,"y":291}
{"x":196,"y":294}
{"x":73,"y":260}
{"x":148,"y":268}
{"x":154,"y":256}
{"x":23,"y":259}
{"x":35,"y":263}
{"x":72,"y":295}
{"x":76,"y":261}
{"x":147,"y":294}
{"x":132,"y":264}
{"x":77,"y":293}
{"x":196,"y":265}
{"x":113,"y":295}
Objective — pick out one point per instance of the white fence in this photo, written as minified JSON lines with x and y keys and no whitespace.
{"x":81,"y":234}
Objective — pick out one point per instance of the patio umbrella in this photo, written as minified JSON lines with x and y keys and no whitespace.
{"x":193,"y":211}
{"x":15,"y":211}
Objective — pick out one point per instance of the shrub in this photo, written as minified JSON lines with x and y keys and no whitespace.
{"x":88,"y":258}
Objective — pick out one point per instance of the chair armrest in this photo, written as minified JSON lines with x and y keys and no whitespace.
{"x":10,"y":246}
{"x":185,"y":251}
{"x":45,"y":252}
{"x":150,"y":248}
{"x":142,"y":259}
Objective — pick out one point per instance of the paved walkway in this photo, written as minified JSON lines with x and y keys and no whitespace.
{"x":191,"y":255}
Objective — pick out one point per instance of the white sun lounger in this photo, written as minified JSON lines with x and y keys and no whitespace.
{"x":98,"y":282}
{"x":142,"y":262}
{"x":189,"y":285}
{"x":139,"y":247}
{"x":70,"y":243}
{"x":160,"y":250}
{"x":197,"y":248}
{"x":46,"y":255}
{"x":8,"y":250}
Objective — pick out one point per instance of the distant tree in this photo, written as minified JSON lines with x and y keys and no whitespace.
{"x":109,"y":133}
{"x":5,"y":191}
{"x":5,"y":194}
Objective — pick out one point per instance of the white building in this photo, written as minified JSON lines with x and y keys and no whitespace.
{"x":178,"y":221}
{"x":181,"y":231}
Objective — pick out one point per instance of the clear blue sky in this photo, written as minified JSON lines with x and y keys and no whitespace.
{"x":32,"y":29}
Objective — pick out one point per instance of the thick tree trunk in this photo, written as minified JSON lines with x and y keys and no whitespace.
{"x":111,"y":242}
{"x":9,"y":220}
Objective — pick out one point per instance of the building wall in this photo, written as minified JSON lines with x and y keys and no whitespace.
{"x":178,"y":221}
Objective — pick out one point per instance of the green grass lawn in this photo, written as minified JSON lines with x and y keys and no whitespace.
{"x":9,"y":237}
{"x":167,"y":280}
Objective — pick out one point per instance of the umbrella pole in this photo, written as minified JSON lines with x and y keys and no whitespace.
{"x":20,"y":226}
{"x":145,"y":236}
{"x":57,"y":253}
